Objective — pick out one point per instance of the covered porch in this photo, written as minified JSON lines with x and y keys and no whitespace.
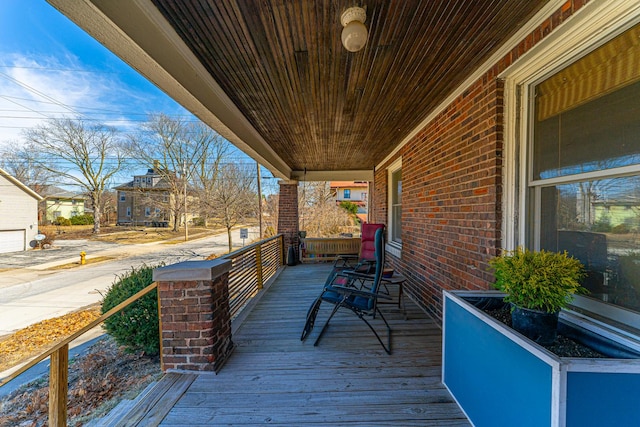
{"x":442,"y":112}
{"x":273,"y":378}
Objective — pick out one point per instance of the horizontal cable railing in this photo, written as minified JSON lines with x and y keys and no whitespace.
{"x":251,"y":267}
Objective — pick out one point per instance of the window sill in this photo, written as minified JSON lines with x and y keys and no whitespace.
{"x":394,"y":248}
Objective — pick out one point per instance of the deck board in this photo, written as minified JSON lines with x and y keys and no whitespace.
{"x":274,"y":378}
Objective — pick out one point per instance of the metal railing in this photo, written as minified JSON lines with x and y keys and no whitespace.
{"x":251,"y":268}
{"x":59,"y":366}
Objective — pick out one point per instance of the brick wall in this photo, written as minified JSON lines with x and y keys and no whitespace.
{"x":288,"y":214}
{"x":452,"y":186}
{"x":195,"y":319}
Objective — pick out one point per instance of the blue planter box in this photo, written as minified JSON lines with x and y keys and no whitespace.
{"x":500,"y":378}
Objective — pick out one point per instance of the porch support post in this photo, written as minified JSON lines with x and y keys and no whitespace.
{"x":195,"y":320}
{"x":288,"y":215}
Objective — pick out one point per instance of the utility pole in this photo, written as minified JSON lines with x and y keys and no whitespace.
{"x":184,"y":177}
{"x":259,"y":203}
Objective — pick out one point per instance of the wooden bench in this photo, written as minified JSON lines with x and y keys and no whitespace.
{"x":327,"y":249}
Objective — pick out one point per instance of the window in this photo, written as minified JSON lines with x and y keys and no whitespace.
{"x":395,"y":204}
{"x":582,"y":191}
{"x":129,"y":211}
{"x":123,"y":197}
{"x":347,"y":193}
{"x":147,"y":211}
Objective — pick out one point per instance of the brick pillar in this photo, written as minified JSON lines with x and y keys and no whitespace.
{"x":288,"y":215}
{"x":195,"y":321}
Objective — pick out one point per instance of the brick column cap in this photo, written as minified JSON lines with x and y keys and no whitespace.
{"x":192,"y":270}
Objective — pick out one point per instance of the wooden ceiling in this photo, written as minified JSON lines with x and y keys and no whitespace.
{"x":272,"y":76}
{"x":321,"y":107}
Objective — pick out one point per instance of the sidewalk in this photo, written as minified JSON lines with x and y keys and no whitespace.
{"x":26,"y":266}
{"x":68,"y":251}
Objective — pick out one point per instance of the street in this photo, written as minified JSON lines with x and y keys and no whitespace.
{"x":37,"y":292}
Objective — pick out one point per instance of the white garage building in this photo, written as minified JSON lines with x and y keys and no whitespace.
{"x":18,"y":214}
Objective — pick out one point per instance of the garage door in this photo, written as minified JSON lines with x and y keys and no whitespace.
{"x":11,"y":241}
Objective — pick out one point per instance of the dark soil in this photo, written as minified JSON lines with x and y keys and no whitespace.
{"x":563,"y":346}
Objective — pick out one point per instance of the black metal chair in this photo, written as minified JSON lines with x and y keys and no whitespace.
{"x":356,"y":292}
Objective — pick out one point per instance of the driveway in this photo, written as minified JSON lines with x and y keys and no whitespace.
{"x":64,"y":250}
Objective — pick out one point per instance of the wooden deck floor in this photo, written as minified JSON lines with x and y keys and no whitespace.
{"x":273,"y":378}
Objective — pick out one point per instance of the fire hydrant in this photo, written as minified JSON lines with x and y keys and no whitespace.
{"x":83,"y":261}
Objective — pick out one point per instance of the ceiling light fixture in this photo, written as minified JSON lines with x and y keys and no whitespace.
{"x":354,"y":33}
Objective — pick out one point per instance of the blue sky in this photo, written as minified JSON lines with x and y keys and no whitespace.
{"x":51,"y":68}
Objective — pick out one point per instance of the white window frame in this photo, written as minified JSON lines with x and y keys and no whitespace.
{"x":393,"y":247}
{"x":591,"y":27}
{"x":128,"y":211}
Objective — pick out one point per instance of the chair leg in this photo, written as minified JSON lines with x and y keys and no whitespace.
{"x":311,"y":318}
{"x":387,"y":347}
{"x":324,"y":327}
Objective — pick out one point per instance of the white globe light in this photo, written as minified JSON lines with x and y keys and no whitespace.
{"x":354,"y":36}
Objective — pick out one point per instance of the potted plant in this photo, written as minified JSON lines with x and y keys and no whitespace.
{"x":537,"y":284}
{"x":480,"y":352}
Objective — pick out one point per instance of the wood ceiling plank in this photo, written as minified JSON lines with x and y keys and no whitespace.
{"x":320,"y":107}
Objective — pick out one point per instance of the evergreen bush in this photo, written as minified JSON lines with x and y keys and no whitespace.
{"x":62,"y":221}
{"x":621,"y":229}
{"x":543,"y":280}
{"x":136,"y":327}
{"x":84,"y":219}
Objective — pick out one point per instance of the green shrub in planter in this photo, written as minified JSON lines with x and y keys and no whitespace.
{"x":136,"y":327}
{"x":544,"y":281}
{"x":538,"y":285}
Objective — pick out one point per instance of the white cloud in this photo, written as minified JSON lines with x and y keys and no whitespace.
{"x":35,"y":89}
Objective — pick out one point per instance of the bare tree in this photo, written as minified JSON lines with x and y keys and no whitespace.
{"x":233,"y":198}
{"x":83,"y":154}
{"x":108,"y":207}
{"x":178,"y":151}
{"x":207,"y":170}
{"x":270,"y":214}
{"x":20,"y":161}
{"x":319,"y":214}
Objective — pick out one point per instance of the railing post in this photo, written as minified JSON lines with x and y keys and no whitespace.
{"x":194,"y":314}
{"x":282,"y":258}
{"x":59,"y":387}
{"x":259,"y":265}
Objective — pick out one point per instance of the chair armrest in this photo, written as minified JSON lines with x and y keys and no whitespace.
{"x":353,"y":274}
{"x":357,"y":292}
